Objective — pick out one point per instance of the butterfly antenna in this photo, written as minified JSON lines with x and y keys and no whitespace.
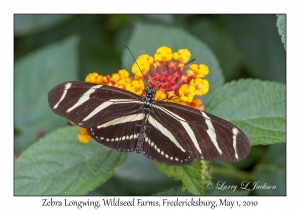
{"x":175,"y":71}
{"x":136,"y":63}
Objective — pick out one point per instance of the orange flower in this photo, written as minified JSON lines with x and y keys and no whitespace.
{"x":165,"y":72}
{"x":83,"y":136}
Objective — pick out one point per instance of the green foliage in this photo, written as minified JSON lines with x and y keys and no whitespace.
{"x":255,"y":106}
{"x":219,"y":40}
{"x":281,"y":25}
{"x":257,"y":39}
{"x":27,"y":24}
{"x":190,"y":175}
{"x":35,"y":74}
{"x":59,"y":164}
{"x":137,"y":176}
{"x":51,"y":49}
{"x":271,"y":171}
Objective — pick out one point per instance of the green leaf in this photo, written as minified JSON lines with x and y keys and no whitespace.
{"x":190,"y":175}
{"x":177,"y":190}
{"x":271,"y":172}
{"x":97,"y":53}
{"x":256,"y":37}
{"x":140,"y":176}
{"x":281,"y":25}
{"x":147,"y":38}
{"x":59,"y":164}
{"x":35,"y":75}
{"x":213,"y":33}
{"x":137,"y":176}
{"x":26,"y":24}
{"x":256,"y":107}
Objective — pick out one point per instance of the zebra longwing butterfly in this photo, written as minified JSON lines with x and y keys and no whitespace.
{"x":166,"y":132}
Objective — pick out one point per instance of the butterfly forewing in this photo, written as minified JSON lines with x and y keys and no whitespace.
{"x":87,"y":104}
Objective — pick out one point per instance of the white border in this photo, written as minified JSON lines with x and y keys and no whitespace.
{"x":154,"y":6}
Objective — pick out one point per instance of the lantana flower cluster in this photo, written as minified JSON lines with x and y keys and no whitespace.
{"x":166,"y":72}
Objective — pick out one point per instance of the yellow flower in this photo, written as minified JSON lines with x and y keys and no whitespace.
{"x":201,"y":86}
{"x":146,"y":59}
{"x":94,"y":78}
{"x":135,"y":86}
{"x":187,"y":93}
{"x":141,"y":69}
{"x":178,"y":101}
{"x":163,"y":54}
{"x":83,"y":136}
{"x":199,"y":70}
{"x":123,"y":73}
{"x":183,"y":55}
{"x":143,"y":66}
{"x":115,"y":77}
{"x":122,"y":83}
{"x":190,"y":73}
{"x":160,"y":95}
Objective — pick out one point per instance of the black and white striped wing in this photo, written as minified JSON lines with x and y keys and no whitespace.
{"x":171,"y":134}
{"x":199,"y":134}
{"x":120,"y":133}
{"x":163,"y":142}
{"x":87,"y":104}
{"x":111,"y":115}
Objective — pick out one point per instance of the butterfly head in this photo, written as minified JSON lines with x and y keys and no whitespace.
{"x":150,"y":93}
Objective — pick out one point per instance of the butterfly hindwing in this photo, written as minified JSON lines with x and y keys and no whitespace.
{"x":120,"y":134}
{"x":160,"y":144}
{"x":206,"y":136}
